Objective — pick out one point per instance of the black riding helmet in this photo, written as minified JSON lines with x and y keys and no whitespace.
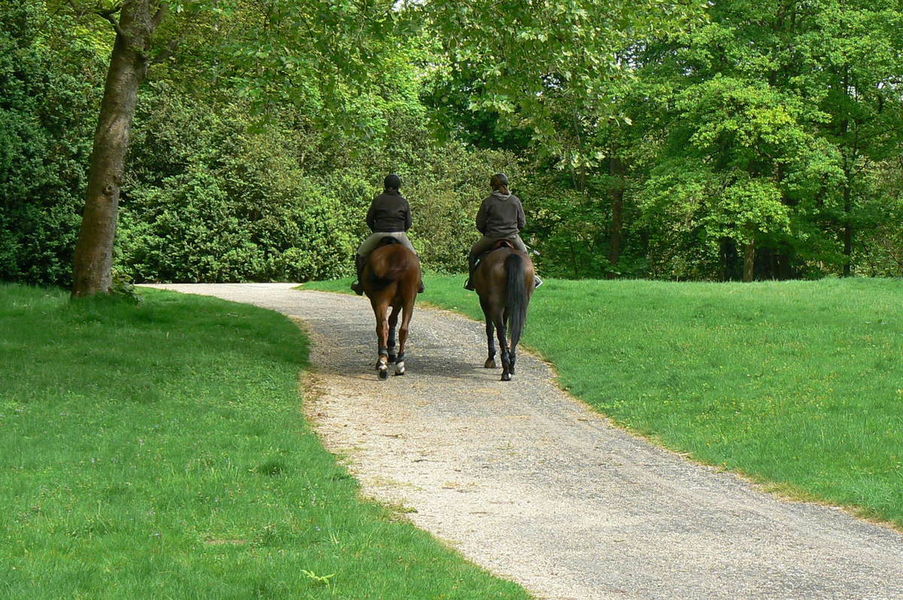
{"x":392,"y":182}
{"x":498,"y":180}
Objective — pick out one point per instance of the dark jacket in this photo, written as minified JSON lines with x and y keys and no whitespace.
{"x":501,"y":216}
{"x":389,"y":212}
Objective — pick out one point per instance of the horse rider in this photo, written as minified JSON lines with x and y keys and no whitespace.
{"x":501,"y":217}
{"x":389,"y":215}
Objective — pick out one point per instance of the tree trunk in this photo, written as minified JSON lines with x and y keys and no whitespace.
{"x":616,"y":239}
{"x":749,"y":261}
{"x":847,"y":230}
{"x":128,"y":65}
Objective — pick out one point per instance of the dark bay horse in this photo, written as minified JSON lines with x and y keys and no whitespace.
{"x":504,"y":282}
{"x":390,"y":279}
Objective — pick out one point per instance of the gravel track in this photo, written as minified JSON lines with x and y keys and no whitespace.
{"x":531,"y":484}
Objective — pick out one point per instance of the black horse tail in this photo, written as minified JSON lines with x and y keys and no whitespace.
{"x":381,"y":281}
{"x":516,"y":304}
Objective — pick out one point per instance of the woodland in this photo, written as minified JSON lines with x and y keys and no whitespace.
{"x":242,"y":140}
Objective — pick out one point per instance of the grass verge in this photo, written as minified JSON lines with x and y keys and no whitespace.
{"x":160,"y":451}
{"x":797,"y":384}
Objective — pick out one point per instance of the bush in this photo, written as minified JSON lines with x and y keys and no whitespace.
{"x":49,"y":89}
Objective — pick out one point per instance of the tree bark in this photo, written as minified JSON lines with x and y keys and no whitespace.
{"x":749,"y":261}
{"x":847,"y":229}
{"x":616,"y":239}
{"x":93,"y":263}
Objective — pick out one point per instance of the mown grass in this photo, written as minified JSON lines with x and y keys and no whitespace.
{"x":799,"y":384}
{"x":160,"y":451}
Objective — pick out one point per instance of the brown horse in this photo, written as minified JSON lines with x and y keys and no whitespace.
{"x":390,"y":279}
{"x":504,"y":281}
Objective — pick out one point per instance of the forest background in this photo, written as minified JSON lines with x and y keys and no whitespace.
{"x":657,"y":139}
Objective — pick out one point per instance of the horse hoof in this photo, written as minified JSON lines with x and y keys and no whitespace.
{"x":489,"y":364}
{"x":383,"y":374}
{"x":399,"y":368}
{"x":506,"y":376}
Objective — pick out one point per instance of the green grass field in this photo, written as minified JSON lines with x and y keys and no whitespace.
{"x":160,"y":451}
{"x":797,"y":384}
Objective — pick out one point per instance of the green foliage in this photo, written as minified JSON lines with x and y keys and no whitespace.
{"x":664,"y":139}
{"x":215,"y":196}
{"x":445,"y":189}
{"x":786,"y":105}
{"x":49,"y":82}
{"x":234,"y":204}
{"x":779,"y":114}
{"x":549,"y":67}
{"x":565,"y":228}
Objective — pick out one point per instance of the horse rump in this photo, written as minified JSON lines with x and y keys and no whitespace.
{"x":381,"y":273}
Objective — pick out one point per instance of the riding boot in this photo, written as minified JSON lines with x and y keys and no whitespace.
{"x":359,"y":262}
{"x":468,"y":285}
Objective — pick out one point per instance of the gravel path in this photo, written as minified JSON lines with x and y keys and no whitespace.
{"x":534,"y":486}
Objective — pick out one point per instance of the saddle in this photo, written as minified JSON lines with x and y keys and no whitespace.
{"x":497,"y":245}
{"x":388,"y":240}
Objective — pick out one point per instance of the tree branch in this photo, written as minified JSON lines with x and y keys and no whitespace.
{"x":107,"y":14}
{"x":159,"y":15}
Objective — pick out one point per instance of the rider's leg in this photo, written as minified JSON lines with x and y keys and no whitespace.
{"x":363,"y":251}
{"x":359,"y":262}
{"x":482,"y":245}
{"x":471,"y":260}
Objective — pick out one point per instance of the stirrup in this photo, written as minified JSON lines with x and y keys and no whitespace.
{"x":537,"y":281}
{"x":468,"y":285}
{"x":357,"y":288}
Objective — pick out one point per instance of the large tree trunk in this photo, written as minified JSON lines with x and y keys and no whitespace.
{"x":128,"y":66}
{"x":616,"y":239}
{"x":847,"y":230}
{"x":749,"y":261}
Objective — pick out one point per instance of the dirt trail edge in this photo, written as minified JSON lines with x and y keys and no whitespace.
{"x":537,"y":488}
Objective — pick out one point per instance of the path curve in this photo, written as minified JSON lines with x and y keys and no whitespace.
{"x":533,"y":485}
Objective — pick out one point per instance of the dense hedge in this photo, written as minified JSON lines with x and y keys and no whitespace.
{"x":215,"y":196}
{"x":49,"y":88}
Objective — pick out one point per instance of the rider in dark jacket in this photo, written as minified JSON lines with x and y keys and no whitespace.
{"x":501,"y":217}
{"x":389,"y":215}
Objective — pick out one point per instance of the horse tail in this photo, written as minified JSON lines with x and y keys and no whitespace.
{"x":516,"y":301}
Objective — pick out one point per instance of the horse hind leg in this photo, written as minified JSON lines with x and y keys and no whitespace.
{"x":502,"y":332}
{"x":507,"y":371}
{"x":490,"y":333}
{"x":407,"y":313}
{"x":490,"y":343}
{"x":382,"y":334}
{"x":393,"y":322}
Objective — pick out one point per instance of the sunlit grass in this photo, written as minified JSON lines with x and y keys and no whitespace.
{"x":795,"y":383}
{"x":160,"y":451}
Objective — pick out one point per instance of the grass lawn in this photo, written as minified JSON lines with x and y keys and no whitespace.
{"x":160,"y":451}
{"x":798,"y":384}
